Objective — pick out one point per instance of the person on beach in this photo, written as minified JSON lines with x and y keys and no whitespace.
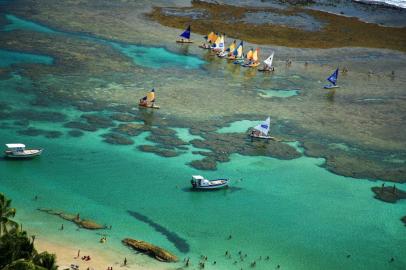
{"x":61,"y":227}
{"x":125,"y":261}
{"x":78,"y":253}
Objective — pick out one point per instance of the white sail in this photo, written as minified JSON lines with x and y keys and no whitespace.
{"x":268,"y":61}
{"x":264,"y":126}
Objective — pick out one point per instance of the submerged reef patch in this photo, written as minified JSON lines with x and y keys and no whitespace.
{"x":388,"y":194}
{"x":115,"y":138}
{"x":284,"y":27}
{"x":159,"y":151}
{"x":173,"y":237}
{"x":154,"y":251}
{"x":36,"y":132}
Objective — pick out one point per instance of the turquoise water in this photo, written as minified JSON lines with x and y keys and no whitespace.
{"x":296,"y":212}
{"x":9,"y":58}
{"x":151,"y":57}
{"x":280,"y":93}
{"x":20,"y":24}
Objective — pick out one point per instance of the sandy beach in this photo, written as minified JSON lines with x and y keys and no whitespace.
{"x":101,"y":258}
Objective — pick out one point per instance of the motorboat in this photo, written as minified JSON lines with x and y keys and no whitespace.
{"x":17,"y":150}
{"x":199,"y":182}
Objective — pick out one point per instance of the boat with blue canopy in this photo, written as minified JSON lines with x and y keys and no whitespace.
{"x":185,"y":36}
{"x":333,"y":80}
{"x":199,"y":182}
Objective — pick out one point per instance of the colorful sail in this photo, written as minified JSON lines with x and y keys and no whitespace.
{"x":250,"y":54}
{"x":269,"y":60}
{"x":264,"y":126}
{"x":239,"y":50}
{"x":333,"y":77}
{"x":255,"y":55}
{"x":232,"y":47}
{"x":151,"y":96}
{"x":221,"y":44}
{"x":212,"y":37}
{"x":186,"y":33}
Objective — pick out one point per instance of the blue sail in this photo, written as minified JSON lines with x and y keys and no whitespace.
{"x":333,"y":77}
{"x":186,"y":33}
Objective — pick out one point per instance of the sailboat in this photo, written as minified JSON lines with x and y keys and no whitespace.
{"x":149,"y":100}
{"x":237,"y":53}
{"x":247,"y":60}
{"x":218,"y":44}
{"x":210,"y":38}
{"x":333,"y":80}
{"x":261,"y":131}
{"x":229,"y":50}
{"x":268,"y":64}
{"x":185,"y":36}
{"x":253,"y":62}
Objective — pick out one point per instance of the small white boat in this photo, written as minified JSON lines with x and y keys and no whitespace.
{"x":261,"y":131}
{"x":199,"y":182}
{"x":17,"y":150}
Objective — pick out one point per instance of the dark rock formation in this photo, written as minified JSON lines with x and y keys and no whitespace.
{"x":388,"y":194}
{"x":131,"y":129}
{"x":115,"y":138}
{"x":75,"y":133}
{"x":204,"y":164}
{"x":124,"y":117}
{"x":83,"y":223}
{"x":98,"y":120}
{"x":36,"y":132}
{"x":157,"y":150}
{"x":153,"y":251}
{"x":173,"y":237}
{"x":404,"y":219}
{"x":80,"y":125}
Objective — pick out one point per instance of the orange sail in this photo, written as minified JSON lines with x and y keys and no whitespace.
{"x":250,"y":54}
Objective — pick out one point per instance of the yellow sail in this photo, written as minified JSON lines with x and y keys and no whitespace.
{"x":255,"y":56}
{"x":239,"y":51}
{"x":151,"y":96}
{"x":249,"y":55}
{"x":232,"y":46}
{"x":218,"y":41}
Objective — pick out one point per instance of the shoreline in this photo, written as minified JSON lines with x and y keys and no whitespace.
{"x":66,"y":254}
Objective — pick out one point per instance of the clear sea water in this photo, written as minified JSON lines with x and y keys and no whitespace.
{"x":295,"y":211}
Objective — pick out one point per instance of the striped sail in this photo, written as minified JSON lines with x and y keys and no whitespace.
{"x":255,"y":55}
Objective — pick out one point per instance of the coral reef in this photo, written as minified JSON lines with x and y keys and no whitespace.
{"x":388,"y":194}
{"x":154,"y":251}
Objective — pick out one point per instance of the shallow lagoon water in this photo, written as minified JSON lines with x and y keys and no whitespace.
{"x":152,"y":57}
{"x":9,"y":58}
{"x":280,"y":93}
{"x":295,"y":211}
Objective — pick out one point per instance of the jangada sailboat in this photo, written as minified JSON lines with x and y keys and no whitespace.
{"x":333,"y":80}
{"x":218,"y":45}
{"x":211,"y":38}
{"x":229,"y":50}
{"x":237,"y":54}
{"x":268,"y":64}
{"x":149,"y":100}
{"x":253,"y":62}
{"x":248,"y":58}
{"x":185,"y":36}
{"x":261,"y":131}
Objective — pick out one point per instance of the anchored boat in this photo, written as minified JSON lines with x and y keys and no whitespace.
{"x":333,"y":80}
{"x":149,"y":100}
{"x":253,"y":61}
{"x":17,"y":150}
{"x":229,"y":50}
{"x":261,"y":131}
{"x":210,"y":38}
{"x":199,"y":182}
{"x":237,"y":54}
{"x":185,"y":36}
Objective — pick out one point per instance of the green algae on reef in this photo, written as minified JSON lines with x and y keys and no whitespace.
{"x":83,"y":223}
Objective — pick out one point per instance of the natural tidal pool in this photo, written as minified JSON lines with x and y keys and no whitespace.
{"x":151,"y":57}
{"x":280,"y":93}
{"x":8,"y":58}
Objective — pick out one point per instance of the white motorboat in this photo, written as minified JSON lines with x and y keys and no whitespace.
{"x":199,"y":182}
{"x":17,"y":150}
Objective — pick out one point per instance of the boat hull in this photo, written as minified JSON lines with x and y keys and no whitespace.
{"x":262,"y":137}
{"x":27,"y":154}
{"x":330,"y":86}
{"x":184,"y":41}
{"x":217,"y":184}
{"x":149,"y":106}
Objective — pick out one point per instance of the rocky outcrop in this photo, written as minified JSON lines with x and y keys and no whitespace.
{"x":404,"y":219}
{"x":83,"y":223}
{"x":388,"y":194}
{"x":150,"y":249}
